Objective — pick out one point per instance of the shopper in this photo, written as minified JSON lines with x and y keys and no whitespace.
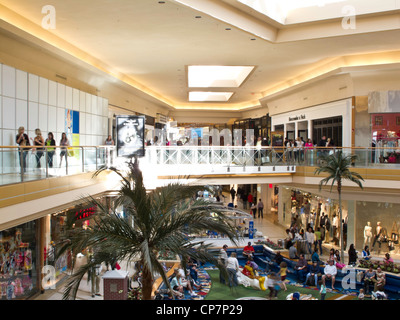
{"x":22,"y":140}
{"x":282,"y":273}
{"x":314,"y":271}
{"x":369,"y":279}
{"x":223,"y":257}
{"x":318,"y":240}
{"x":330,"y":272}
{"x":260,"y":208}
{"x":301,"y":268}
{"x":232,"y":265}
{"x":65,"y":143}
{"x":310,"y":238}
{"x":233,"y":194}
{"x":248,"y":251}
{"x":38,"y":142}
{"x":352,"y":253}
{"x":50,"y":151}
{"x":380,"y":280}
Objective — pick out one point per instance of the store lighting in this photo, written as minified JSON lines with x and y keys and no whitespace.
{"x":203,"y":96}
{"x":217,"y":76}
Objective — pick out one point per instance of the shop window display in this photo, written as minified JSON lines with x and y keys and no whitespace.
{"x":385,"y":138}
{"x":18,"y":260}
{"x":377,"y":226}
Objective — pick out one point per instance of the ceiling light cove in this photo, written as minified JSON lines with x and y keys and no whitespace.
{"x":202,"y":96}
{"x":217,"y":76}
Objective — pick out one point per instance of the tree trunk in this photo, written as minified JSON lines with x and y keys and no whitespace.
{"x":339,"y":188}
{"x":147,"y":284}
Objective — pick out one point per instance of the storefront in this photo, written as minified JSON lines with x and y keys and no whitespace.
{"x":384,"y":111}
{"x":371,"y":223}
{"x":19,"y":261}
{"x":386,"y":137}
{"x":333,"y":120}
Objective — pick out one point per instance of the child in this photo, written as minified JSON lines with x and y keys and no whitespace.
{"x":282,"y":272}
{"x":323,"y":291}
{"x":271,"y":282}
{"x":361,"y":295}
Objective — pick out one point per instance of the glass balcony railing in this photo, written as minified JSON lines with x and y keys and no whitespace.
{"x":267,"y":156}
{"x":29,"y":163}
{"x":21,"y":165}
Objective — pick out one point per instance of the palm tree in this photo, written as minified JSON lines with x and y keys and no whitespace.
{"x":156,"y":221}
{"x":336,"y":166}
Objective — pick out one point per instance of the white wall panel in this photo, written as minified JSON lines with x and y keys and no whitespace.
{"x":68,"y":98}
{"x":43,"y":114}
{"x":94,"y":104}
{"x":75,"y":100}
{"x":105,"y":107}
{"x":22,"y":85}
{"x":33,"y":115}
{"x":88,"y":103}
{"x":52,"y":119}
{"x":8,"y":113}
{"x":82,"y":123}
{"x":43,"y":91}
{"x":9,"y":81}
{"x":60,"y":95}
{"x":89,"y":121}
{"x":9,"y":137}
{"x":82,"y":101}
{"x":60,"y":120}
{"x":21,"y":113}
{"x":52,"y":93}
{"x":33,"y":88}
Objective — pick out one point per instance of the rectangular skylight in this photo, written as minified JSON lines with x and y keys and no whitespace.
{"x":217,"y":76}
{"x":202,"y":96}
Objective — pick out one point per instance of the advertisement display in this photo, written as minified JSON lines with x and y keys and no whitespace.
{"x":130,"y":136}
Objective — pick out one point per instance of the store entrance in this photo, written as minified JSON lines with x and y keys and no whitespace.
{"x":330,"y":128}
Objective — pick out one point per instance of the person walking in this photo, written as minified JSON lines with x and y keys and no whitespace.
{"x":260,"y":208}
{"x":65,"y":143}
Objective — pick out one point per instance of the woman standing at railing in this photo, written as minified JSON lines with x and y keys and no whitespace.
{"x":38,"y":142}
{"x":308,"y":151}
{"x":23,"y":141}
{"x":50,"y":151}
{"x":63,"y":142}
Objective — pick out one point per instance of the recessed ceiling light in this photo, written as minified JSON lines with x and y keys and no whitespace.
{"x":202,"y":96}
{"x":217,"y":76}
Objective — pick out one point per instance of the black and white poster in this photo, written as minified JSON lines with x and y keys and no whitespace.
{"x":130,"y":136}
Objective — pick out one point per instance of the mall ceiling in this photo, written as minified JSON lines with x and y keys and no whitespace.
{"x":149,"y":44}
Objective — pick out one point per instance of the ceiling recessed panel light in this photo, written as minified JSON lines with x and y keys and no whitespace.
{"x":217,"y":76}
{"x":202,"y":96}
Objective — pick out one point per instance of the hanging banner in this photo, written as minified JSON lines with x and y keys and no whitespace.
{"x":251,"y":229}
{"x":130,"y":136}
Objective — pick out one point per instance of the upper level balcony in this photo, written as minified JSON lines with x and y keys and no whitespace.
{"x":184,"y":162}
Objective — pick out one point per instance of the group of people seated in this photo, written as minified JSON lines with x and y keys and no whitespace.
{"x":181,"y":281}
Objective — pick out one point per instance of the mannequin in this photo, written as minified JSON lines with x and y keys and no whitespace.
{"x":367,"y":234}
{"x":378,"y":230}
